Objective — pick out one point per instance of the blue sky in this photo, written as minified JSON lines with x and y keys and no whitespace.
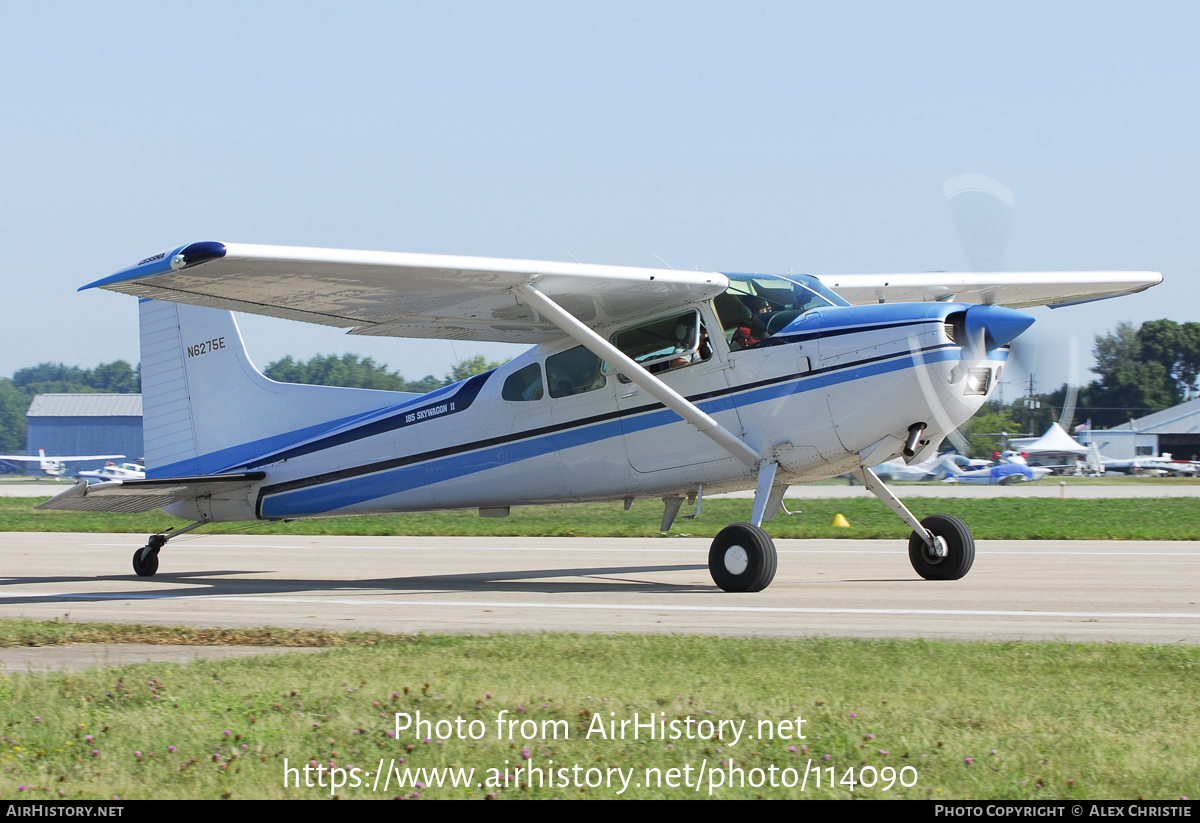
{"x":736,"y":137}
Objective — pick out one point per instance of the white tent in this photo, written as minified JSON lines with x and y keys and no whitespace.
{"x":1055,"y":441}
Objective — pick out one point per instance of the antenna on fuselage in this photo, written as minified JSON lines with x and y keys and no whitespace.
{"x":573,"y":257}
{"x":664,"y":262}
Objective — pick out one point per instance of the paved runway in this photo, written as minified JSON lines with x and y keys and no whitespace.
{"x":1076,"y":590}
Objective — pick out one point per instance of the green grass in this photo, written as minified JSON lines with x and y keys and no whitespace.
{"x":1065,"y":721}
{"x":17,"y":632}
{"x":990,"y":519}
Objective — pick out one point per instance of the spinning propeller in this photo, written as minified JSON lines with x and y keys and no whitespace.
{"x":981,"y":207}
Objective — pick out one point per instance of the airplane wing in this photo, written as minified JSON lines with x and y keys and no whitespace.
{"x":1013,"y":289}
{"x":135,"y":496}
{"x":407,"y":295}
{"x":54,"y":459}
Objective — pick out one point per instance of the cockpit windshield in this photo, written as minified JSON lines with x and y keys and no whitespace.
{"x":757,"y":306}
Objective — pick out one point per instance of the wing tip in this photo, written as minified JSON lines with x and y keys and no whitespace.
{"x":182,"y":257}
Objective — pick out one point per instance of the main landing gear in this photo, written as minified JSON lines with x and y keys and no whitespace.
{"x":941,"y":547}
{"x":951,"y":554}
{"x":145,"y":559}
{"x":742,"y":558}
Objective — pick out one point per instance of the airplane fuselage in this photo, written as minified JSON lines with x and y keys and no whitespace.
{"x":837,"y":386}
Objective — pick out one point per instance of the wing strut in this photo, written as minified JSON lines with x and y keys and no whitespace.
{"x":656,"y":388}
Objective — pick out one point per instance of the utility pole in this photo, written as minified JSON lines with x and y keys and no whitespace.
{"x":1031,"y":404}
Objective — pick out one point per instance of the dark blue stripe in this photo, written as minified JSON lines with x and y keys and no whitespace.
{"x":349,"y":492}
{"x":410,"y":416}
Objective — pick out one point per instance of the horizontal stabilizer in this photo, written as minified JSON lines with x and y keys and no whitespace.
{"x":135,"y":496}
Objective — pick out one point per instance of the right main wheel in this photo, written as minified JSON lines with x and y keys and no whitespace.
{"x":742,"y":558}
{"x":960,"y":549}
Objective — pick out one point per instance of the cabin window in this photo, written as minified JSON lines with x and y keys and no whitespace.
{"x":669,"y":343}
{"x":757,"y":306}
{"x":524,"y":384}
{"x":574,"y":371}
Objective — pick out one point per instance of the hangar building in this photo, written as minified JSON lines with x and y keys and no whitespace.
{"x":1175,"y":431}
{"x":66,"y":424}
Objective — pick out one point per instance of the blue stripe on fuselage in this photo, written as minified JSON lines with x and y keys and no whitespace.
{"x":343,"y":493}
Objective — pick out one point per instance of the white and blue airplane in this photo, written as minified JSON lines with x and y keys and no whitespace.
{"x":641,"y":383}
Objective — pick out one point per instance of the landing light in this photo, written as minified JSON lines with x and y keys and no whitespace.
{"x":978,"y":381}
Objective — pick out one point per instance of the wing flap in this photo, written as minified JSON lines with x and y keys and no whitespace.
{"x":407,"y":295}
{"x":136,"y":496}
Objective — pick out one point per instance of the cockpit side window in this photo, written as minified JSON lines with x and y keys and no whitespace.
{"x":757,"y":306}
{"x":667,"y":343}
{"x":574,"y":371}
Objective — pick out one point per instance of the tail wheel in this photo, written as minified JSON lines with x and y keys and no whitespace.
{"x":145,"y":561}
{"x":951,"y":559}
{"x":742,"y":558}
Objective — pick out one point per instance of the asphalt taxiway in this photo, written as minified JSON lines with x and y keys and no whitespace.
{"x":1089,"y":591}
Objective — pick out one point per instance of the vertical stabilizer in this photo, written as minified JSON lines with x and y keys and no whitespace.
{"x":206,"y":407}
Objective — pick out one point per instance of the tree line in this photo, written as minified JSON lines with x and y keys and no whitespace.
{"x":364,"y":373}
{"x":118,"y":377}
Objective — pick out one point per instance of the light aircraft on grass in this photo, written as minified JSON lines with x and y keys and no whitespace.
{"x":642,"y":383}
{"x":1001,"y":474}
{"x":114,"y":471}
{"x":55,"y":466}
{"x":897,"y":469}
{"x":1150,"y":466}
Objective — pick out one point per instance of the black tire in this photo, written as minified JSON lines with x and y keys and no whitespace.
{"x":751,"y":570}
{"x":960,"y":549}
{"x":146,"y":567}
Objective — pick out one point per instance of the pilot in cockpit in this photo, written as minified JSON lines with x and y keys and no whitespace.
{"x":758,"y":305}
{"x":683,"y":337}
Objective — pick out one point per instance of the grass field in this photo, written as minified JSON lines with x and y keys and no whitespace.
{"x":990,"y":519}
{"x":965,"y":720}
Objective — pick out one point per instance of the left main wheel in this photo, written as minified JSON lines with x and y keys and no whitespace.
{"x":742,"y":558}
{"x":145,"y":566}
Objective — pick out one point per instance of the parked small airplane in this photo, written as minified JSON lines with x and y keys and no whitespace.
{"x":56,"y":466}
{"x":114,"y":471}
{"x":1148,"y":466}
{"x":1014,"y":469}
{"x":643,"y":383}
{"x":935,"y":468}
